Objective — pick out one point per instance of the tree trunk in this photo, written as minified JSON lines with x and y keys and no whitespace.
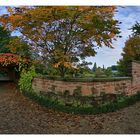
{"x":62,"y":71}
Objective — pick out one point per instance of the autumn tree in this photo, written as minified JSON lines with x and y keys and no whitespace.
{"x":61,"y":36}
{"x":9,"y":48}
{"x":12,"y":44}
{"x":131,"y":51}
{"x":18,"y":46}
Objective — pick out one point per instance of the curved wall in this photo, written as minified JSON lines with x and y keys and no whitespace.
{"x":128,"y":86}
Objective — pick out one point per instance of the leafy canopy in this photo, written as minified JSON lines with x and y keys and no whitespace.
{"x":4,"y":39}
{"x":18,"y":46}
{"x":131,"y":51}
{"x":62,"y":35}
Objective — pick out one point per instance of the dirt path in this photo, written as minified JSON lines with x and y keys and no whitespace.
{"x":18,"y":115}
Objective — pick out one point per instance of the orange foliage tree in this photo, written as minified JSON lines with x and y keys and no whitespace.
{"x":9,"y":59}
{"x":14,"y":60}
{"x":131,"y":51}
{"x":62,"y":35}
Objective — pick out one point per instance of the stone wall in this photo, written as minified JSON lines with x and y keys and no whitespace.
{"x":135,"y":76}
{"x":87,"y":88}
{"x":126,"y":86}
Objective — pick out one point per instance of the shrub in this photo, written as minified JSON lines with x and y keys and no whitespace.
{"x":86,"y":109}
{"x":66,"y":93}
{"x":70,"y":79}
{"x":25,"y":81}
{"x":77,"y":92}
{"x":52,"y":88}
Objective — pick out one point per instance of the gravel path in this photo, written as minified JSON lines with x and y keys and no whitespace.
{"x":20,"y":115}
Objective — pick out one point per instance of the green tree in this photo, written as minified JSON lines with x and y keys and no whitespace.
{"x":99,"y":73}
{"x":94,"y":67}
{"x":136,"y":28}
{"x":108,"y":72}
{"x":4,"y":40}
{"x":83,"y":68}
{"x":114,"y":67}
{"x":103,"y":68}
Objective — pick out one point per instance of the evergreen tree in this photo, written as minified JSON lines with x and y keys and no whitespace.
{"x":4,"y":40}
{"x":136,"y":29}
{"x":94,"y":67}
{"x":99,"y":73}
{"x":108,"y":72}
{"x":103,"y":67}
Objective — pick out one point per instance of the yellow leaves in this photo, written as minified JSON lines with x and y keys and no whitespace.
{"x":9,"y":9}
{"x":132,"y":48}
{"x":13,"y":50}
{"x":111,"y":35}
{"x":88,"y":16}
{"x":82,"y":8}
{"x":63,"y":26}
{"x":63,"y":63}
{"x":50,"y":37}
{"x":36,"y":62}
{"x":56,"y":65}
{"x":67,"y":64}
{"x":111,"y":9}
{"x":108,"y":9}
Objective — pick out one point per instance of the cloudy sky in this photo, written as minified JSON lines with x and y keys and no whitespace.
{"x":128,"y":16}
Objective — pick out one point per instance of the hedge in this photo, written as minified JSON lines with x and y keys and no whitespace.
{"x":105,"y":108}
{"x":67,"y":79}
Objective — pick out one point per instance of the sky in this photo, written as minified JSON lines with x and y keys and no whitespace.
{"x":106,"y":56}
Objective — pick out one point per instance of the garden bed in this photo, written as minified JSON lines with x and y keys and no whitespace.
{"x":118,"y":103}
